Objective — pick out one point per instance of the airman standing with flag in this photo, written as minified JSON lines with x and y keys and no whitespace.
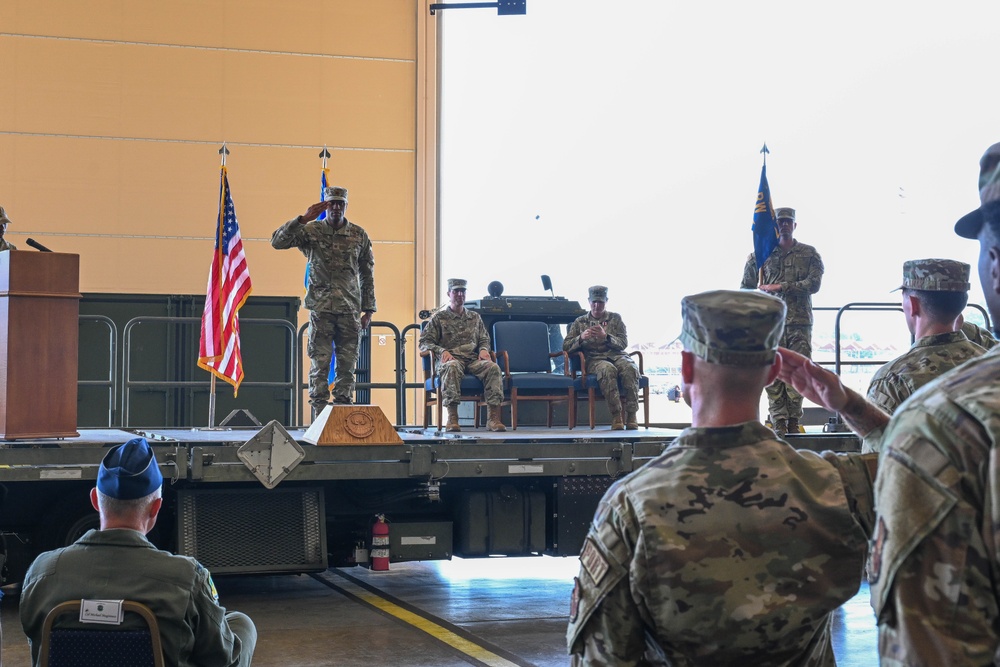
{"x":793,"y":272}
{"x":340,"y":294}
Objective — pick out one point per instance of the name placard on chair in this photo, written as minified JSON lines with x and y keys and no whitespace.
{"x":108,"y":612}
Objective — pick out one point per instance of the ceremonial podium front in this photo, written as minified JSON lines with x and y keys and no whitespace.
{"x":39,"y":344}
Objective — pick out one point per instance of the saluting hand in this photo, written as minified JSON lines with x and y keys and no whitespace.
{"x":312,"y":212}
{"x":812,"y":380}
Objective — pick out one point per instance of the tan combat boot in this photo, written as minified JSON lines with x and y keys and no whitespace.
{"x":452,"y":424}
{"x":616,"y":422}
{"x":793,"y":425}
{"x":493,"y":422}
{"x":631,"y":421}
{"x":780,"y":427}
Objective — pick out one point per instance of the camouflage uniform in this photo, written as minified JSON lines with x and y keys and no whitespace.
{"x":979,"y":335}
{"x":607,"y":359}
{"x":341,"y":285}
{"x":929,"y":358}
{"x":731,"y":547}
{"x":935,"y":559}
{"x":932,"y":355}
{"x":935,"y":562}
{"x":799,"y":271}
{"x":464,"y":336}
{"x":4,"y":221}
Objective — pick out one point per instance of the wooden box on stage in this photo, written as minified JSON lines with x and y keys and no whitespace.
{"x":39,"y":344}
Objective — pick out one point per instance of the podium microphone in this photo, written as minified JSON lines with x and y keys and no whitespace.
{"x":37,"y":246}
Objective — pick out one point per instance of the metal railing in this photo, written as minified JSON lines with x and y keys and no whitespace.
{"x":112,"y":382}
{"x":398,"y":385}
{"x":128,"y":384}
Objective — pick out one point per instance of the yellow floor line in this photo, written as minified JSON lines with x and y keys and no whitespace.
{"x":460,"y":644}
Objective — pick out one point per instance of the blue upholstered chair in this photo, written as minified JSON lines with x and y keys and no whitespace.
{"x":588,"y":388}
{"x":99,"y":644}
{"x":472,"y":389}
{"x":522,"y":350}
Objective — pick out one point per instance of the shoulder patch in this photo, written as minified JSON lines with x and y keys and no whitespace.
{"x":593,"y":561}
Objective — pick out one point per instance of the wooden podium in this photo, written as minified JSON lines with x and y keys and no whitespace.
{"x":39,"y":344}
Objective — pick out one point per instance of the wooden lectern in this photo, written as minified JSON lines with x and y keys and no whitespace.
{"x":39,"y":344}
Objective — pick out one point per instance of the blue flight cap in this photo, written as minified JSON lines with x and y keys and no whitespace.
{"x":129,"y":471}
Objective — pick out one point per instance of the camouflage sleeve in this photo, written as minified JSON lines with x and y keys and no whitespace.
{"x":872,"y":441}
{"x":814,"y":276}
{"x":366,"y":275}
{"x":289,"y":235}
{"x":430,"y":337}
{"x":857,"y":472}
{"x":888,"y":392}
{"x":750,"y":278}
{"x":571,"y":343}
{"x":934,"y":559}
{"x":617,"y":334}
{"x":482,"y":337}
{"x":605,"y":625}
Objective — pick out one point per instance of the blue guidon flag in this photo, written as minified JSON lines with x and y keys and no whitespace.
{"x":765,"y":225}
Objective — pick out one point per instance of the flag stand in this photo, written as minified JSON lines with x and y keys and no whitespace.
{"x":229,"y":287}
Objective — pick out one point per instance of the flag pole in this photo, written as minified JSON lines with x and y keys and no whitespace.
{"x":325,"y":154}
{"x":760,"y":271}
{"x":211,"y":393}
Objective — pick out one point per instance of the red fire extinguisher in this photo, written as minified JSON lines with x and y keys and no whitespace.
{"x":380,"y":544}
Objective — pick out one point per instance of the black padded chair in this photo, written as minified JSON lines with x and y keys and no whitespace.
{"x":522,"y":350}
{"x":99,"y":644}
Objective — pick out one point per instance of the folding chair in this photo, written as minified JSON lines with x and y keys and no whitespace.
{"x":98,"y":644}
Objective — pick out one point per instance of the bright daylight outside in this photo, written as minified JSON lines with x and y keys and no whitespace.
{"x":618,"y":144}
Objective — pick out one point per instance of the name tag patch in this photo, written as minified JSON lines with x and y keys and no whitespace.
{"x":593,"y":562}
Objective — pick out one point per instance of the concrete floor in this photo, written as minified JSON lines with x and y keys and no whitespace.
{"x":497,"y":612}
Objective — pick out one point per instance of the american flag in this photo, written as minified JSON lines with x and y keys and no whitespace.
{"x":228,"y":289}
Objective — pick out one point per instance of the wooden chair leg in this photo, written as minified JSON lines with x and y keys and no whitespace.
{"x":513,"y":409}
{"x":572,"y":410}
{"x":591,"y":395}
{"x":645,"y":406}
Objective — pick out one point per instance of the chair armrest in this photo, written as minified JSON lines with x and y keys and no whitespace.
{"x":638,"y":355}
{"x":503,"y":361}
{"x":565,"y":356}
{"x":430,"y":368}
{"x":583,"y":364}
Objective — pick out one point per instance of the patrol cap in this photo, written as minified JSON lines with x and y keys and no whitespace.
{"x":457,"y":283}
{"x":4,"y":220}
{"x":784,"y":212}
{"x":597,"y":293}
{"x":129,"y":471}
{"x":969,"y":225}
{"x":334,"y":193}
{"x":732,"y":327}
{"x":935,"y":275}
